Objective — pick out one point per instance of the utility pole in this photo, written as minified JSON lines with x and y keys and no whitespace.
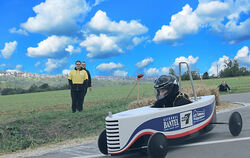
{"x":217,"y":71}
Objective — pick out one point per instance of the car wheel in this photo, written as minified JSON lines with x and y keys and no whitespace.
{"x":235,"y":123}
{"x":102,"y":143}
{"x":157,"y":146}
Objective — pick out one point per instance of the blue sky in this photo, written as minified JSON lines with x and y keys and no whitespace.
{"x":123,"y":38}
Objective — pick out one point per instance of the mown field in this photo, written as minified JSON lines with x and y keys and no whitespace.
{"x":31,"y":120}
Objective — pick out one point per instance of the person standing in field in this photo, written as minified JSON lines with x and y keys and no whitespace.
{"x":77,"y":81}
{"x":88,"y":83}
{"x":223,"y":87}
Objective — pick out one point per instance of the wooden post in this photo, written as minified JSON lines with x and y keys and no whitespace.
{"x":138,"y":93}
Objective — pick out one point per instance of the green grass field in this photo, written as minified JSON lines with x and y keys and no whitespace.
{"x":30,"y":120}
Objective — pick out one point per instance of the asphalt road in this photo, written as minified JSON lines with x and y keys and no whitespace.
{"x":216,"y":144}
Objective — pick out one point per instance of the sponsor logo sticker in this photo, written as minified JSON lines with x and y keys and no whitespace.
{"x":171,"y":122}
{"x":186,"y":119}
{"x":198,"y":115}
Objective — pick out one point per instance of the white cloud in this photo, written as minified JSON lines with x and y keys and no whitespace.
{"x":243,"y":56}
{"x":50,"y":47}
{"x":9,"y":48}
{"x":98,"y":2}
{"x":217,"y":66}
{"x":19,"y":31}
{"x":101,"y":23}
{"x":138,"y":40}
{"x":221,"y":17}
{"x":2,"y":65}
{"x":72,"y":50}
{"x":107,"y":67}
{"x":102,"y":46}
{"x":37,"y":64}
{"x":156,"y":71}
{"x":145,"y":62}
{"x":55,"y":64}
{"x":66,"y":71}
{"x":106,"y":38}
{"x":164,"y":70}
{"x":57,"y":17}
{"x":182,"y":23}
{"x":152,"y":72}
{"x":190,"y":60}
{"x":120,"y":73}
{"x":235,"y":33}
{"x":19,"y":67}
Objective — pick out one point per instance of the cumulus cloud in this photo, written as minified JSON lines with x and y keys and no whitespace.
{"x":182,"y":23}
{"x":66,"y":72}
{"x":18,"y":31}
{"x":243,"y":56}
{"x":152,"y":72}
{"x":156,"y":72}
{"x":164,"y":70}
{"x":221,"y":17}
{"x":107,"y":67}
{"x":218,"y":66}
{"x":106,"y":38}
{"x":72,"y":50}
{"x":120,"y":73}
{"x":50,"y":47}
{"x":19,"y":67}
{"x":98,"y":2}
{"x":101,"y":23}
{"x":145,"y":62}
{"x":37,"y":64}
{"x":190,"y":60}
{"x":102,"y":46}
{"x":55,"y":64}
{"x":57,"y":17}
{"x":9,"y":48}
{"x":2,"y":65}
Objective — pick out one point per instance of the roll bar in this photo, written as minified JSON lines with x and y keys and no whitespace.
{"x":190,"y":76}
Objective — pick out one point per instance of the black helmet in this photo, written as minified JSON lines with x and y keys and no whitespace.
{"x":166,"y":82}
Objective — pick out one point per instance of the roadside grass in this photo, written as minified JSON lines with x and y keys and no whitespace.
{"x":30,"y":120}
{"x":55,"y":126}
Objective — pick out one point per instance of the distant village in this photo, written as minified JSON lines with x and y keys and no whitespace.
{"x":14,"y":73}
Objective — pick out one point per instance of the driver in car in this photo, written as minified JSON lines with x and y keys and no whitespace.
{"x":167,"y":92}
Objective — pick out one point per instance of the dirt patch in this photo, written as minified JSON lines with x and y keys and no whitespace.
{"x":227,"y":106}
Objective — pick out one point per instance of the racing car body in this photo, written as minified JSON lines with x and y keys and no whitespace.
{"x":125,"y":128}
{"x":153,"y":128}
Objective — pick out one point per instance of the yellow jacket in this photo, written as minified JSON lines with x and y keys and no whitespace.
{"x":78,"y":76}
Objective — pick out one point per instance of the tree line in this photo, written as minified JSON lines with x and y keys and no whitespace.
{"x":232,"y":69}
{"x":33,"y":88}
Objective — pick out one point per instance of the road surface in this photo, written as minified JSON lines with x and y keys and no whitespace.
{"x":216,"y":144}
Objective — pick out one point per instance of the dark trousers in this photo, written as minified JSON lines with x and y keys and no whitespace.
{"x":84,"y":92}
{"x":77,"y":100}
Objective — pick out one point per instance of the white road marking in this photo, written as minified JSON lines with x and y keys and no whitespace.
{"x":90,"y":156}
{"x":215,"y":142}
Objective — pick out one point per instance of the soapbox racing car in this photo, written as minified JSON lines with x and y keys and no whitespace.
{"x":152,"y":129}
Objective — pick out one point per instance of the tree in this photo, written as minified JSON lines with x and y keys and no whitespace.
{"x":233,"y":69}
{"x":172,"y":72}
{"x":195,"y":75}
{"x":205,"y":76}
{"x":44,"y":86}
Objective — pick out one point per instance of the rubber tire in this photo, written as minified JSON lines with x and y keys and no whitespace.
{"x":102,"y":143}
{"x":235,"y":123}
{"x":157,"y":146}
